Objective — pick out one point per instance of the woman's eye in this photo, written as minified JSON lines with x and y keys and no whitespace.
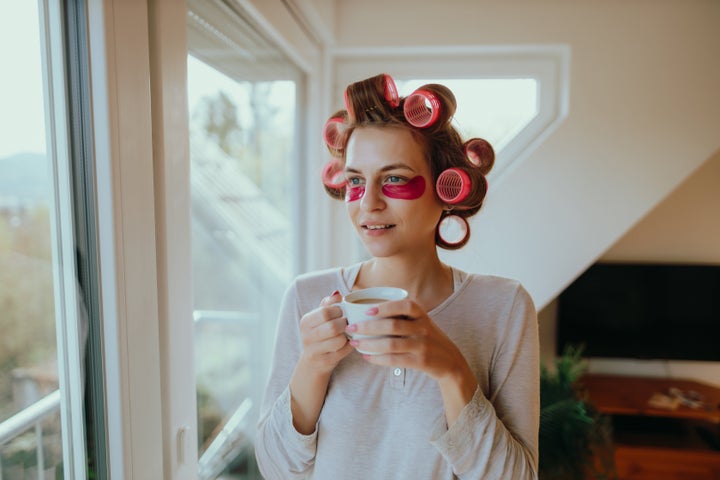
{"x":354,"y":181}
{"x":394,"y":179}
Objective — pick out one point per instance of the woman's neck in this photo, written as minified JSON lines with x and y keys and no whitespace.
{"x":428,"y":281}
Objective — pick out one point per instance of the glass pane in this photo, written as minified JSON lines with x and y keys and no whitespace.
{"x":493,"y":109}
{"x":28,"y":353}
{"x":241,"y":140}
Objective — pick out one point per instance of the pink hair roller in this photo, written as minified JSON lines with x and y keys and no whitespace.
{"x":422,"y":108}
{"x":453,"y":185}
{"x":332,"y":133}
{"x":333,"y":176}
{"x":391,"y":92}
{"x":453,"y":230}
{"x":480,"y":153}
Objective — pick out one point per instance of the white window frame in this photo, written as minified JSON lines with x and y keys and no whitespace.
{"x":139,"y":104}
{"x":547,"y":64}
{"x":139,"y":107}
{"x":68,"y":321}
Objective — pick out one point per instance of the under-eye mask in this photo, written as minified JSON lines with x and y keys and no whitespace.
{"x":412,"y":190}
{"x":354,"y":193}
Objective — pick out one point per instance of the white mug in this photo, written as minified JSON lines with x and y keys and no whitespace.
{"x":356,"y":303}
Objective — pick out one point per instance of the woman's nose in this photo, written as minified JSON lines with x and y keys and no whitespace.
{"x":373,"y":198}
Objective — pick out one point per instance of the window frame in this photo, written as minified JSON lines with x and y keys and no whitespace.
{"x":548,"y":64}
{"x":138,"y":59}
{"x":68,"y":313}
{"x":141,"y":365}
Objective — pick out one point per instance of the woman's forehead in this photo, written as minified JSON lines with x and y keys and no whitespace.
{"x":377,"y":147}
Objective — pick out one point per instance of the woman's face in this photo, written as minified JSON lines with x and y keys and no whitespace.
{"x":390,"y":194}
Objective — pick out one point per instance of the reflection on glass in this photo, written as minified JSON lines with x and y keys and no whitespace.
{"x":28,"y":353}
{"x":241,"y":139}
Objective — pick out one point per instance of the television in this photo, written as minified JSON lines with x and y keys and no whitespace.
{"x":643,"y":311}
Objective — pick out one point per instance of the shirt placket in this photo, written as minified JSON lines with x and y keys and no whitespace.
{"x":397,"y":377}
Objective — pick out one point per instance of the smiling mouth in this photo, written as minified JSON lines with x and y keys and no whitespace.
{"x":377,"y":227}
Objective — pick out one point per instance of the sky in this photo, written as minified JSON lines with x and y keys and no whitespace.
{"x":22,"y":118}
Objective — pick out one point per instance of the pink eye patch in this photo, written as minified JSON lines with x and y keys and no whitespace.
{"x":412,"y":190}
{"x":354,"y":193}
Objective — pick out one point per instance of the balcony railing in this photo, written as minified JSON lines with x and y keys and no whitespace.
{"x":30,"y":417}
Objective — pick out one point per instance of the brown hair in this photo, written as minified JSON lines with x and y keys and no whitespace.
{"x":368,"y":103}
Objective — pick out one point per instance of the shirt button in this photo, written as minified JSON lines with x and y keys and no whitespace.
{"x":397,"y":372}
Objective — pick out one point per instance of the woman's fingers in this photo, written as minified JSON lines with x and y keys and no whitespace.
{"x":390,"y":326}
{"x":400,"y":309}
{"x":334,"y":297}
{"x":389,"y":344}
{"x":326,"y":312}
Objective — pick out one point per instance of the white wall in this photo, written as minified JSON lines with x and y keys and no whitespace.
{"x":644,"y":113}
{"x":685,"y":227}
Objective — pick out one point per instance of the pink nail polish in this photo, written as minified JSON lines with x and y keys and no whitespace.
{"x":354,"y":343}
{"x":351,"y":328}
{"x":372,"y":311}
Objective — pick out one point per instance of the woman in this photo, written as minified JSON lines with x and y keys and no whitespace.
{"x":452,"y":389}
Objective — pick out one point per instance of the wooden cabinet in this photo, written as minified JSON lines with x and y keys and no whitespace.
{"x":652,"y":443}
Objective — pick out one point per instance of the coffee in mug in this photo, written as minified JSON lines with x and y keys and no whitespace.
{"x":356,"y":303}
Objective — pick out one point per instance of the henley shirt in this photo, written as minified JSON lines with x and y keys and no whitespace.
{"x":388,"y":422}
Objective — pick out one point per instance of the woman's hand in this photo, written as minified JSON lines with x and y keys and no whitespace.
{"x":324,"y":345}
{"x":412,"y":340}
{"x":323,"y":335}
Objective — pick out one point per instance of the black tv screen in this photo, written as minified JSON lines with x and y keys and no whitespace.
{"x":643,"y":311}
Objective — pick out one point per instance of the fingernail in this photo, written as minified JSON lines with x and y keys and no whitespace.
{"x":336,"y":292}
{"x":354,"y":343}
{"x":351,"y":328}
{"x":372,"y":311}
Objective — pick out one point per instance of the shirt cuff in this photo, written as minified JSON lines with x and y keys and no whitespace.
{"x":286,"y":420}
{"x":451,"y":442}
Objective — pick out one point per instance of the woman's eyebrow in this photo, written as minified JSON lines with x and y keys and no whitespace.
{"x":396,"y":166}
{"x":386,"y":168}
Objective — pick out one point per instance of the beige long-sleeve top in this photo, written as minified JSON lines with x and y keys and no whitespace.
{"x":389,"y":423}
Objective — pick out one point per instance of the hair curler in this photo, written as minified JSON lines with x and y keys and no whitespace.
{"x":391,"y":91}
{"x":453,"y":230}
{"x":422,"y":108}
{"x":333,"y":175}
{"x":333,"y":133}
{"x":480,"y":153}
{"x":453,"y":185}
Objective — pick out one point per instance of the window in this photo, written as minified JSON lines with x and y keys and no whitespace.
{"x":496,"y":109}
{"x":242,"y":109}
{"x":511,"y":96}
{"x":43,"y":331}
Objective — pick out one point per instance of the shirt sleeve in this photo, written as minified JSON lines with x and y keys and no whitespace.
{"x":497,"y":437}
{"x":281,"y":451}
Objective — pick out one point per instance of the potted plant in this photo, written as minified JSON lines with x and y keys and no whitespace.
{"x":575,"y":439}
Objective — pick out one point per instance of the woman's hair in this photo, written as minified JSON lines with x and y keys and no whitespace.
{"x":374,"y":102}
